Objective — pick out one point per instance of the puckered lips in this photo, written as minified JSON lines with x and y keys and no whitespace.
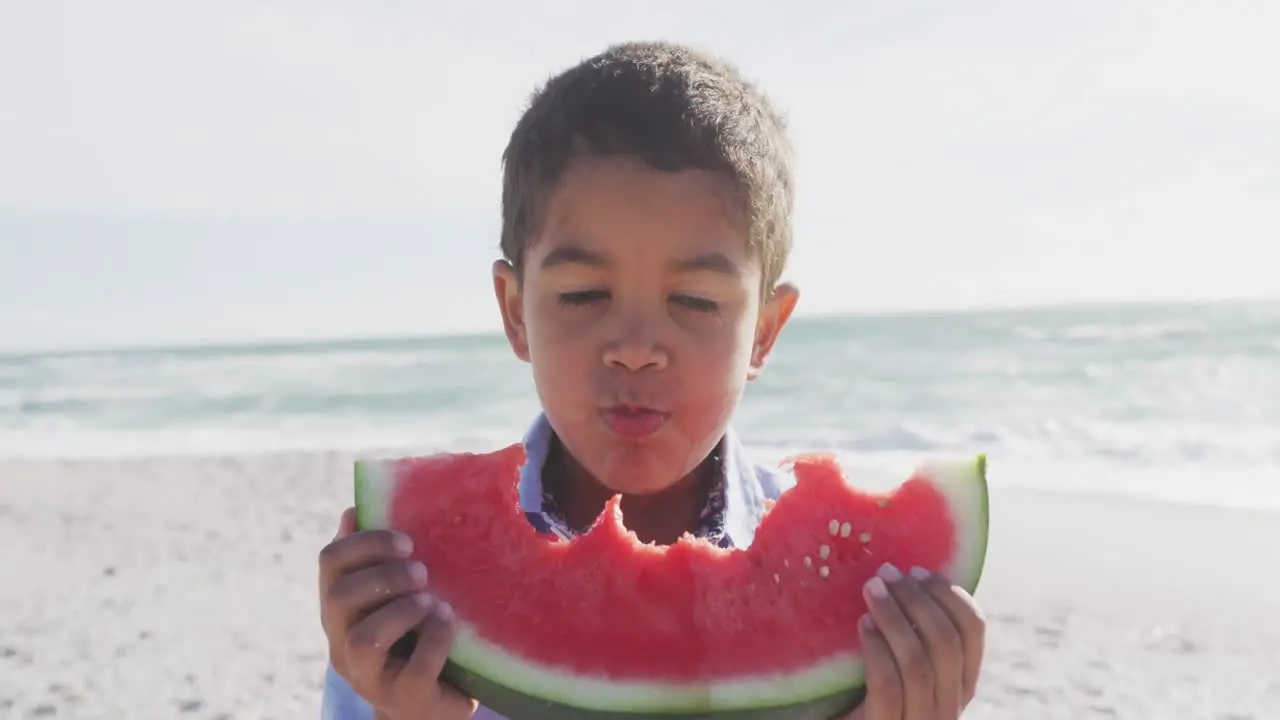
{"x":635,"y":423}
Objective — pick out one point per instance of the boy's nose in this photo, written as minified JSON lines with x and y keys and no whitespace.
{"x":636,"y":350}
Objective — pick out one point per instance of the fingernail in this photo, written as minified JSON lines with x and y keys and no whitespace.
{"x":444,"y":612}
{"x":418,"y":573}
{"x":889,"y":573}
{"x":876,"y":587}
{"x":867,"y":623}
{"x":919,"y":573}
{"x":403,"y":544}
{"x":423,"y":599}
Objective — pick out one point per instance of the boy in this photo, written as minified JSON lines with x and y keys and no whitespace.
{"x":646,"y":204}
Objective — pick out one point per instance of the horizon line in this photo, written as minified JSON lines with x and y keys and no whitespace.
{"x":302,"y":343}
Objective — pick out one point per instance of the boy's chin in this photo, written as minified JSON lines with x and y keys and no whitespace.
{"x":640,"y":469}
{"x":649,"y":485}
{"x":627,"y":466}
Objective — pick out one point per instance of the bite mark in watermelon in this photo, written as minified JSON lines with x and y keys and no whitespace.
{"x":603,"y":625}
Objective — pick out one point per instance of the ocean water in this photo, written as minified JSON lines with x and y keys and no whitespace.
{"x":1178,"y":402}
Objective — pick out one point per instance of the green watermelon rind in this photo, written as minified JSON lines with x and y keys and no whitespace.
{"x":474,"y":664}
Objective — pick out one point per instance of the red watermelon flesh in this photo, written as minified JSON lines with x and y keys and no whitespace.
{"x":605,"y":624}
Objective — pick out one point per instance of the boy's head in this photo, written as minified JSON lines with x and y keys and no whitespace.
{"x":647,"y":199}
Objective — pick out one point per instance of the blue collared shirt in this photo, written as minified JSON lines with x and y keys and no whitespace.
{"x":745,"y":488}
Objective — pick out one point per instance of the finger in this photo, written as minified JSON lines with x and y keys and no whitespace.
{"x":941,"y":640}
{"x":455,"y":705}
{"x":969,"y":620}
{"x":360,"y":549}
{"x":370,"y":641}
{"x":908,"y":650}
{"x":425,"y":666}
{"x":884,"y":700}
{"x":352,"y":597}
{"x":346,"y":524}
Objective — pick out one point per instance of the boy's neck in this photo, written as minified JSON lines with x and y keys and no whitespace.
{"x":659,"y":518}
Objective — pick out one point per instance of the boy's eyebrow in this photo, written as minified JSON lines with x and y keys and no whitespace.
{"x":707,"y":262}
{"x":713,"y":262}
{"x":571,"y":254}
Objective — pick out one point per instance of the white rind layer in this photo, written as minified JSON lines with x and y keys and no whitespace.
{"x":962,"y":483}
{"x":375,"y":485}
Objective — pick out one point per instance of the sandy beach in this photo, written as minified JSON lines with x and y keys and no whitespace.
{"x":185,"y":588}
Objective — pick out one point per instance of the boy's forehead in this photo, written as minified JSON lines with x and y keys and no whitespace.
{"x":625,"y":184}
{"x":610,"y":206}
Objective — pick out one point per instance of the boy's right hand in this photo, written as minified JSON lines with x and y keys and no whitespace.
{"x":370,"y":597}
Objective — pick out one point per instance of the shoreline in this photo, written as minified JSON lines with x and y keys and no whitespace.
{"x":875,"y":473}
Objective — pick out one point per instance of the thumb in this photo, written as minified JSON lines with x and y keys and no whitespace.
{"x":347,"y":524}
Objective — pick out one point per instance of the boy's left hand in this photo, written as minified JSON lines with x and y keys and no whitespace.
{"x":922,"y":642}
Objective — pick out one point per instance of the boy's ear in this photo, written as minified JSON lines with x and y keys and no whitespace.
{"x":506,"y":287}
{"x":774,"y":314}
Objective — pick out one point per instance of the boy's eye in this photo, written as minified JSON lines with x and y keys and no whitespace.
{"x":583,"y":297}
{"x":587,"y":297}
{"x":695,"y":303}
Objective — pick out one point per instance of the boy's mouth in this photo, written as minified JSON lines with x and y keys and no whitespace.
{"x":634,"y":422}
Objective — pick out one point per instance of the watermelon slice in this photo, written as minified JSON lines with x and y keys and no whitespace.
{"x":606,"y":626}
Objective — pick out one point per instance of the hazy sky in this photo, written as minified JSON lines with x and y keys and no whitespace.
{"x":174,"y":172}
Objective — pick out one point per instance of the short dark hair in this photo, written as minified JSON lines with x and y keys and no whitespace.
{"x":674,"y":108}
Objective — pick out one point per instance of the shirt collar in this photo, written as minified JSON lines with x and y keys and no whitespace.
{"x":744,"y":494}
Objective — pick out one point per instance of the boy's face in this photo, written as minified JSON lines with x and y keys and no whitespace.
{"x":641,"y":315}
